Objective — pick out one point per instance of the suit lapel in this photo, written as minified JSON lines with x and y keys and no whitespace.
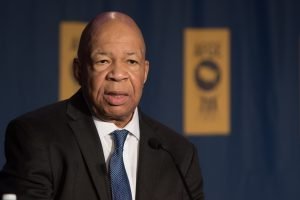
{"x":90,"y":145}
{"x":149,"y":164}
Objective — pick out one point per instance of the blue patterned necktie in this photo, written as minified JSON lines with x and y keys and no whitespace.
{"x":119,"y":181}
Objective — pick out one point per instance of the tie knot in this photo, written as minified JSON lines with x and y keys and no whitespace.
{"x":119,"y":138}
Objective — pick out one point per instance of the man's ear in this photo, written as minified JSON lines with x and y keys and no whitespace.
{"x":147,"y":65}
{"x":77,"y":73}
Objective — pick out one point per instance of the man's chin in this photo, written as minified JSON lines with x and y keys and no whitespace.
{"x":115,"y":113}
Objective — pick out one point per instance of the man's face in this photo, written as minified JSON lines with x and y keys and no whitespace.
{"x":115,"y":73}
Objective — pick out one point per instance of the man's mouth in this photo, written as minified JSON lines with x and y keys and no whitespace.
{"x":116,"y":98}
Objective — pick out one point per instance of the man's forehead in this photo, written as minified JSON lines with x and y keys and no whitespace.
{"x":115,"y":30}
{"x":109,"y":23}
{"x":101,"y":52}
{"x":116,"y":33}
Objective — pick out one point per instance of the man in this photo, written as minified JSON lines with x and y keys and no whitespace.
{"x":71,"y":150}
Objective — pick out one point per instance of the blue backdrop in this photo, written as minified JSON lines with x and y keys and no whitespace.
{"x":260,"y":159}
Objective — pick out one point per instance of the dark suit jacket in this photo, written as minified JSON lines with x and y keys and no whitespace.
{"x":55,"y":153}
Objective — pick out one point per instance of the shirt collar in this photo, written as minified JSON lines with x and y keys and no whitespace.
{"x":106,"y":128}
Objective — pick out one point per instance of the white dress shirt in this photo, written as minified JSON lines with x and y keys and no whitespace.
{"x":131,"y":146}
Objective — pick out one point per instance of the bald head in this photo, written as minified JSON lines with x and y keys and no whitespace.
{"x":111,"y":67}
{"x":99,"y":24}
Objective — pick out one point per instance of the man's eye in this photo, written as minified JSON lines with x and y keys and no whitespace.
{"x":102,"y":61}
{"x":132,"y":62}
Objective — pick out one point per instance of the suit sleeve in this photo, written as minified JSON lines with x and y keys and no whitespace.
{"x":194,"y":178}
{"x":27,"y":171}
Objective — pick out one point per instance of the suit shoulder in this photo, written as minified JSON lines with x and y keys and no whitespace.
{"x":45,"y":112}
{"x":166,"y":134}
{"x":181,"y":148}
{"x":39,"y":124}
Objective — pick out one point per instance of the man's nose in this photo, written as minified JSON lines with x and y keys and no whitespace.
{"x":118,"y":72}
